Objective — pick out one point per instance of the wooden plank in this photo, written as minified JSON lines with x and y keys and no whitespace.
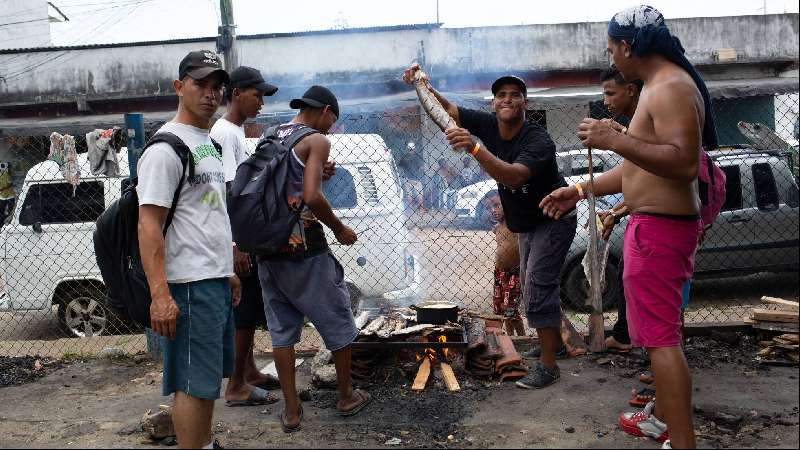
{"x":791,"y":337}
{"x":788,"y":304}
{"x":766,"y":315}
{"x":422,"y":375}
{"x":776,"y":326}
{"x":449,"y":378}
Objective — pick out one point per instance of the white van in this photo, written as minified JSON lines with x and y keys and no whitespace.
{"x":47,"y":254}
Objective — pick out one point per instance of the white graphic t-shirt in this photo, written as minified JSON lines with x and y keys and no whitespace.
{"x":198,"y":243}
{"x":232,"y":139}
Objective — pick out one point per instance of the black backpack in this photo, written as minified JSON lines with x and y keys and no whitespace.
{"x":116,"y":241}
{"x":261,"y":220}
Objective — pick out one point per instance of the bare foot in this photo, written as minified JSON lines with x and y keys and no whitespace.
{"x":614,"y":344}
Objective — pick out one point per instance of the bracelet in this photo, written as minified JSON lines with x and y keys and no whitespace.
{"x":579,"y":188}
{"x":475,"y":149}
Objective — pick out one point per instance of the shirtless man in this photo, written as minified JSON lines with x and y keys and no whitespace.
{"x":507,"y":289}
{"x":661,"y":151}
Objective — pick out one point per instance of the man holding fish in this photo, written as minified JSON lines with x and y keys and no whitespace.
{"x":520,"y":156}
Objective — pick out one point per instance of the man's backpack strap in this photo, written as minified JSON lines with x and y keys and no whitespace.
{"x":298,"y":136}
{"x":217,"y":146}
{"x":292,"y":139}
{"x":183,"y":152}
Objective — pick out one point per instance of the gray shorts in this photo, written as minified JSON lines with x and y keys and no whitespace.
{"x":312,"y":287}
{"x":542,"y":254}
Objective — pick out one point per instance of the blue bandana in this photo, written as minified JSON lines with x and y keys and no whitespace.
{"x":644,"y":29}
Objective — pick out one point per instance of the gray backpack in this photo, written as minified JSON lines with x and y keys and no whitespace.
{"x":261,"y":220}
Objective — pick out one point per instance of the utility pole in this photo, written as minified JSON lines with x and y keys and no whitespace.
{"x":437,"y":11}
{"x":226,"y":41}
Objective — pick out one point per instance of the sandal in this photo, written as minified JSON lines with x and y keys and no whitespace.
{"x":642,"y":397}
{"x":366,"y":398}
{"x":257,"y":397}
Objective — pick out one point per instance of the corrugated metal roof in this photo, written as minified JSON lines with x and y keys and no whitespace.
{"x":424,"y":26}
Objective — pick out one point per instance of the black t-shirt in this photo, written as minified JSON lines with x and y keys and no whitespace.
{"x":532,"y":147}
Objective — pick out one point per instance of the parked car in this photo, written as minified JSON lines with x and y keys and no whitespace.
{"x":471,"y":201}
{"x":47,"y":255}
{"x":757,"y":230}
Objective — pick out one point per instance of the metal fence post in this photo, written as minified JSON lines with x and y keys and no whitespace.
{"x":134,"y":123}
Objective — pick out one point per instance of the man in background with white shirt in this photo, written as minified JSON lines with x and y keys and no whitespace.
{"x":245,"y":96}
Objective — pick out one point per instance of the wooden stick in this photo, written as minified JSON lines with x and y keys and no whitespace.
{"x":422,"y":375}
{"x":794,"y":306}
{"x":767,"y":315}
{"x":596,"y":326}
{"x":449,"y":378}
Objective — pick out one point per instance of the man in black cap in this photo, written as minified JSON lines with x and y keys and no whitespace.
{"x":304,"y":279}
{"x":245,"y":96}
{"x":189,"y":267}
{"x":521,"y":156}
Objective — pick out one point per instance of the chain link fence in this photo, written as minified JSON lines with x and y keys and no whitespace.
{"x":424,"y":220}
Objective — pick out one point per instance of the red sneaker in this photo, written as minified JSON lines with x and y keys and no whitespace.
{"x":644,"y":424}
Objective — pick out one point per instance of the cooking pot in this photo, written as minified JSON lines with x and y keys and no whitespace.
{"x":436,"y":312}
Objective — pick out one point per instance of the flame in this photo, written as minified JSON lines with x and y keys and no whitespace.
{"x":443,"y":339}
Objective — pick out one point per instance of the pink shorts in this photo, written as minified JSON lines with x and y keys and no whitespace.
{"x":658,"y":257}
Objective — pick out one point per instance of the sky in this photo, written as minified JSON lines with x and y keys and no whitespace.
{"x":113,"y":21}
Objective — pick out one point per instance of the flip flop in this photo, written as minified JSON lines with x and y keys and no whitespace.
{"x":258,"y":397}
{"x":366,"y":398}
{"x":287,"y":429}
{"x":642,"y":397}
{"x":647,"y":377}
{"x":270,"y":384}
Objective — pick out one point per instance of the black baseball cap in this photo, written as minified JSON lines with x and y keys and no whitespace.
{"x":200,"y":64}
{"x":317,"y":97}
{"x":510,"y":79}
{"x":247,"y":77}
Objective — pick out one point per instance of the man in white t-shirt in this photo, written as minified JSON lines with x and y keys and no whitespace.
{"x":245,"y":96}
{"x":190,"y":268}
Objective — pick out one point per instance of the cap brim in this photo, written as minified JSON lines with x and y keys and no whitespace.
{"x":268,"y":89}
{"x":299,"y":102}
{"x":203,"y":72}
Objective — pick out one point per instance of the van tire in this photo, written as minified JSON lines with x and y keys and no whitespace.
{"x":574,"y":286}
{"x":84,"y":310}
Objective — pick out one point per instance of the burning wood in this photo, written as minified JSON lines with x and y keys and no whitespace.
{"x":422,"y":375}
{"x":449,"y":377}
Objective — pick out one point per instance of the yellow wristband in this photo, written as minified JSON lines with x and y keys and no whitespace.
{"x":579,"y":188}
{"x":475,"y":149}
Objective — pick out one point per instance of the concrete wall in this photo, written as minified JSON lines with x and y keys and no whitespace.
{"x":370,"y":62}
{"x":34,"y":31}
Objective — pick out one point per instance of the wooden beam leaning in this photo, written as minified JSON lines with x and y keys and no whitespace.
{"x":422,"y":376}
{"x":449,"y":378}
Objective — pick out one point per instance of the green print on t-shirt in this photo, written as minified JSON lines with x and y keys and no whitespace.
{"x":202,"y":152}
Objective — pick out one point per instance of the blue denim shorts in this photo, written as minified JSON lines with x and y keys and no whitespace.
{"x":202,"y":353}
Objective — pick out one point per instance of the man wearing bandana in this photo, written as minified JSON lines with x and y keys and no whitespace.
{"x":661,"y":148}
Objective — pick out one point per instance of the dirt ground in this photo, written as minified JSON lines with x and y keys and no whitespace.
{"x":97,"y":403}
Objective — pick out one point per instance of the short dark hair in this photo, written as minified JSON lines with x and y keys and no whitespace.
{"x":612,"y":73}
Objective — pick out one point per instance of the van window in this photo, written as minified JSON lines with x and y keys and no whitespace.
{"x":340,"y":190}
{"x":766,"y":190}
{"x":55,"y":203}
{"x":733,"y":188}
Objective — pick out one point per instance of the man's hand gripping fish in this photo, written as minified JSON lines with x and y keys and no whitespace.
{"x":430,"y":104}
